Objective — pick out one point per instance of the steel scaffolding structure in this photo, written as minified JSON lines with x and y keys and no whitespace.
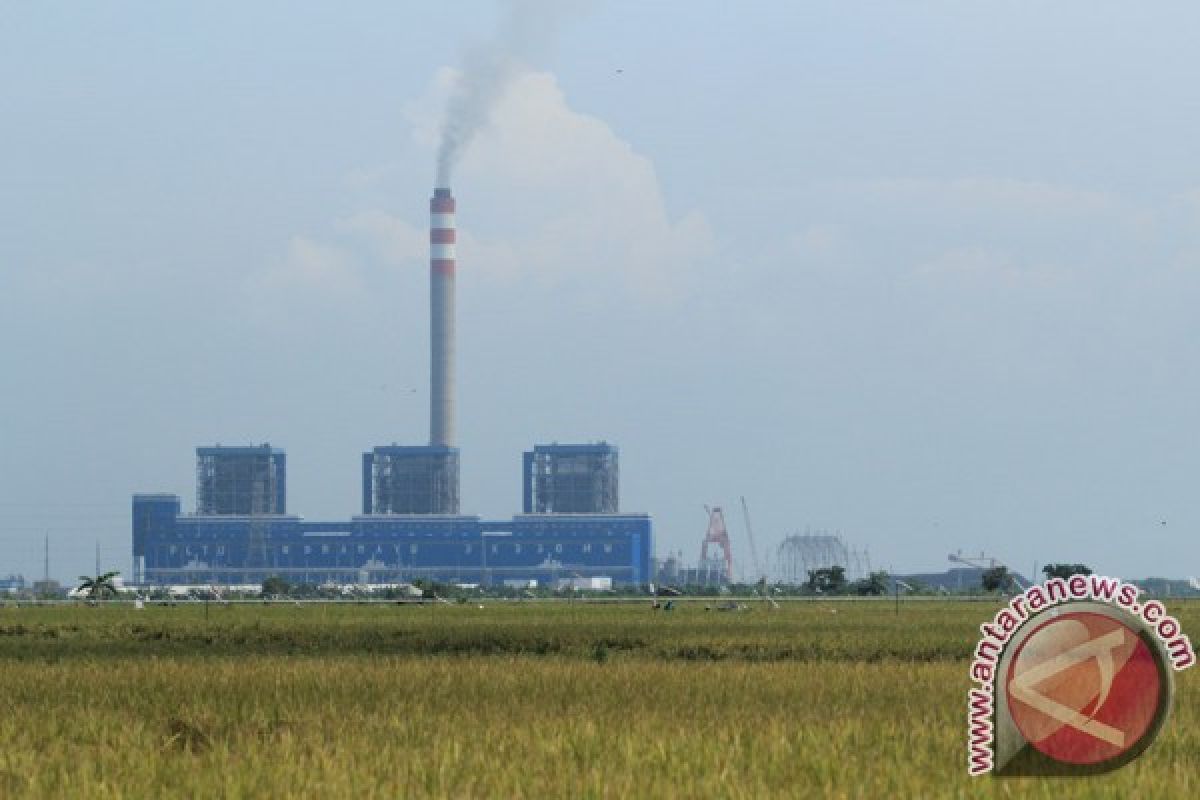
{"x":410,"y":480}
{"x":571,"y":479}
{"x":800,"y":554}
{"x":241,"y":480}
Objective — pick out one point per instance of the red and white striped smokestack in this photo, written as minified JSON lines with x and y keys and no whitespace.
{"x":441,"y":318}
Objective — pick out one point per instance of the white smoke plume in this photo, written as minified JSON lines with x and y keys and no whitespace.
{"x":489,"y":68}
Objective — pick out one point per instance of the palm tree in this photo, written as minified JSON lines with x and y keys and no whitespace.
{"x":98,"y":586}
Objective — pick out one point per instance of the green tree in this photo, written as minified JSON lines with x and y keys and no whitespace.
{"x":1065,"y":570}
{"x":996,"y":578}
{"x":827,"y":580}
{"x":99,"y":586}
{"x":275,"y":585}
{"x":874,"y":584}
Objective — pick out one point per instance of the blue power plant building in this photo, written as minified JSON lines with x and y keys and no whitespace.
{"x":410,"y":526}
{"x":241,"y":533}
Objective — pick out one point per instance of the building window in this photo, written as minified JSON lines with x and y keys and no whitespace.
{"x":412,"y":549}
{"x":467,"y":549}
{"x":587,"y":548}
{"x":607,"y":547}
{"x":173,"y":549}
{"x":285,"y":549}
{"x":361,"y":549}
{"x":308,"y":549}
{"x":517,"y":548}
{"x":324,"y":549}
{"x":540,"y":548}
{"x":495,"y":549}
{"x":558,"y":548}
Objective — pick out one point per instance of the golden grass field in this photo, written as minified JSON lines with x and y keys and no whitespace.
{"x":516,"y":700}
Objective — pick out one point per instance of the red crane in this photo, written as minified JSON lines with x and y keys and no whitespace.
{"x":718,"y":535}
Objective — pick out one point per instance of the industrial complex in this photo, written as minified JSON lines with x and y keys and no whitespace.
{"x":410,"y":526}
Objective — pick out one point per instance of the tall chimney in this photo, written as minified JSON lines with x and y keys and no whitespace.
{"x":441,"y":318}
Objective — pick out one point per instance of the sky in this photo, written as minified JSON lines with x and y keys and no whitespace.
{"x":925,"y":274}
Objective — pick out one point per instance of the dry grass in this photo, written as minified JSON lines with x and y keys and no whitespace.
{"x":531,"y":701}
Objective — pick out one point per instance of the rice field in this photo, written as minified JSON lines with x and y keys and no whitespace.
{"x":515,"y":700}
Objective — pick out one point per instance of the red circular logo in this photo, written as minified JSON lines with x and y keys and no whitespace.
{"x":1084,"y":688}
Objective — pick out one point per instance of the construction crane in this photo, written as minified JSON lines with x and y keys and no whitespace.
{"x":980,"y":561}
{"x":758,"y":570}
{"x":984,"y":562}
{"x":760,"y":573}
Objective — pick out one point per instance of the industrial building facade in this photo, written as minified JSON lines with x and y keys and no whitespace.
{"x":570,"y":479}
{"x":410,"y":479}
{"x":411,"y":526}
{"x":241,"y":480}
{"x":171,"y":547}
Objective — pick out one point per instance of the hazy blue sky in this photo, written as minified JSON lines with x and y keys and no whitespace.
{"x":926,"y":273}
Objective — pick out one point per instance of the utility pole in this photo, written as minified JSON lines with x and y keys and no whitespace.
{"x":46,"y":562}
{"x":896,"y":587}
{"x":97,"y":557}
